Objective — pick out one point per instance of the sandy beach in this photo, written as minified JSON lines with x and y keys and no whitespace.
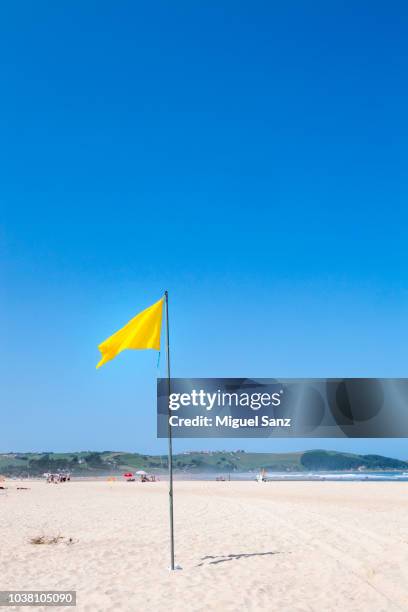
{"x":287,"y":546}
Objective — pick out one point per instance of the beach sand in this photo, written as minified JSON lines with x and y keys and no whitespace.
{"x":284,"y":546}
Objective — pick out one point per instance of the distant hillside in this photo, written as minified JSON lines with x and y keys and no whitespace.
{"x":88,"y":463}
{"x":331,"y":460}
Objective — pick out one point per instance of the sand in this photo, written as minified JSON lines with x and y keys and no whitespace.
{"x":285,"y":546}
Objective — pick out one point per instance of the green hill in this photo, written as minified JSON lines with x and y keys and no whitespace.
{"x":89,"y":463}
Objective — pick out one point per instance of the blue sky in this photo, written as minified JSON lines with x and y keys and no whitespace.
{"x":248,"y":157}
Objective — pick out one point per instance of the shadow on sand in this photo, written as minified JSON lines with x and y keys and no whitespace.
{"x":212,"y":560}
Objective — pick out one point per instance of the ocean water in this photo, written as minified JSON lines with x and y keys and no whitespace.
{"x":392,"y":476}
{"x":341,"y":476}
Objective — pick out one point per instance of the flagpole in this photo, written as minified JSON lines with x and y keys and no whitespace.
{"x":172,"y":567}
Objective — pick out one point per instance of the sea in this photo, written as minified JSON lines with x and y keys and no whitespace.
{"x":350,"y":476}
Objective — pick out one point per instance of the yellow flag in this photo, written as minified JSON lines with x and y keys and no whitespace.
{"x":142,"y":332}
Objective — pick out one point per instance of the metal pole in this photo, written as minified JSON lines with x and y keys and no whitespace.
{"x":169,"y":437}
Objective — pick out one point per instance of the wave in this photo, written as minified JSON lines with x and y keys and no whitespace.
{"x":341,"y":476}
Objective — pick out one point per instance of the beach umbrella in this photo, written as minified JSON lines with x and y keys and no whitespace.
{"x":141,"y":473}
{"x":128,"y":475}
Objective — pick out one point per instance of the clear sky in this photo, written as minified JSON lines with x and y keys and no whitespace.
{"x":250,"y":157}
